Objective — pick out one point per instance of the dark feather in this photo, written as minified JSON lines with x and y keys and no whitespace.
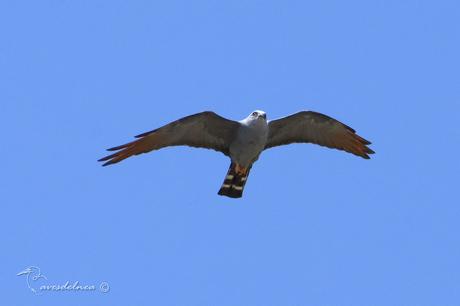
{"x":313,"y":127}
{"x":202,"y":130}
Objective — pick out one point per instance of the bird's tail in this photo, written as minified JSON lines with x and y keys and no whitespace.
{"x":234,"y":182}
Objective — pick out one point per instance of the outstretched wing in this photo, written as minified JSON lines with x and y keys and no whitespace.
{"x":202,"y":130}
{"x":312,"y":127}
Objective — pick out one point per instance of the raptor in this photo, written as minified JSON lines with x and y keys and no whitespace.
{"x":243,"y":141}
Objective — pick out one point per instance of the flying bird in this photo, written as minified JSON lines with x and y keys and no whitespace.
{"x":243,"y":141}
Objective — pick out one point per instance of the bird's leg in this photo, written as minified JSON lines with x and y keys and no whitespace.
{"x":240,"y":170}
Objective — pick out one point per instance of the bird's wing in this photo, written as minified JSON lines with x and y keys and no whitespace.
{"x":202,"y":130}
{"x":312,"y":127}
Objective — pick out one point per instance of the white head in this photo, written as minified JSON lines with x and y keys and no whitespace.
{"x":258,"y":115}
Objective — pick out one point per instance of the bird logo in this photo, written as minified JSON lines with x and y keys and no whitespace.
{"x":33,"y":275}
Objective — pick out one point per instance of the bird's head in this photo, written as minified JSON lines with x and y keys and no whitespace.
{"x":27,"y":271}
{"x":258,"y":115}
{"x":32,"y":271}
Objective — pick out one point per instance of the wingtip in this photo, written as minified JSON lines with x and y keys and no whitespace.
{"x":104,"y":164}
{"x":367,"y":153}
{"x":107,"y":160}
{"x":103,"y":158}
{"x":145,"y":134}
{"x":116,"y":148}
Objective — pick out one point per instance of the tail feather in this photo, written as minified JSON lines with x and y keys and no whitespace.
{"x":234,"y":182}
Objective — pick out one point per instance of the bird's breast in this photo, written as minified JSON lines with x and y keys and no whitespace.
{"x":248,"y":145}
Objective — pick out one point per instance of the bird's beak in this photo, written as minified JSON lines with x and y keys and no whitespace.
{"x":264,"y":116}
{"x":26,"y":271}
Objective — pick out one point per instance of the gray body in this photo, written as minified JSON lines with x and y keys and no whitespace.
{"x":250,"y":139}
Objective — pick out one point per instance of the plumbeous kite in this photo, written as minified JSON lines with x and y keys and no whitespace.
{"x":244,"y":140}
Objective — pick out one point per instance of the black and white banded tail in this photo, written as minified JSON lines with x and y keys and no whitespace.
{"x":234,"y":182}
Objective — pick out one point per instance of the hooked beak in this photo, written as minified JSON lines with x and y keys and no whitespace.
{"x":264,"y":116}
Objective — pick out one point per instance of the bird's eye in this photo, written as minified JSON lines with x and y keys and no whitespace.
{"x":254,"y":113}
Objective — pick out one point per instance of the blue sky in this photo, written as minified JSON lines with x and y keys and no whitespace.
{"x":315,"y":226}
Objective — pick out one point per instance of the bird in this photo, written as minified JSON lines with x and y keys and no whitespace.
{"x":243,"y":141}
{"x":33,"y":274}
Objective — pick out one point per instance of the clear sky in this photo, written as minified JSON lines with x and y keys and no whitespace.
{"x":315,"y":226}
